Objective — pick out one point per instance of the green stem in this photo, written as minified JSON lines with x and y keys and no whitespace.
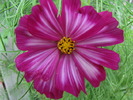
{"x":3,"y":43}
{"x":26,"y":92}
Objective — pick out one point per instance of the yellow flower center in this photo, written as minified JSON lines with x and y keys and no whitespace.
{"x":66,"y":45}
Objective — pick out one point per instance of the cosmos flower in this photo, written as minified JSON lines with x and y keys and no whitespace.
{"x":62,"y":50}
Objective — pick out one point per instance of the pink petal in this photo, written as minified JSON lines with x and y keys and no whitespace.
{"x":48,"y":88}
{"x":94,"y":23}
{"x":111,"y":22}
{"x":73,"y":5}
{"x":76,"y":24}
{"x":52,"y":13}
{"x":43,"y":22}
{"x":68,"y":77}
{"x":92,"y":72}
{"x":100,"y":56}
{"x":26,"y":41}
{"x":108,"y":35}
{"x":49,"y":4}
{"x":38,"y":63}
{"x":106,"y":38}
{"x":23,"y":21}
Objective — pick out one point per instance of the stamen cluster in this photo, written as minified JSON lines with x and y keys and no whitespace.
{"x":66,"y":45}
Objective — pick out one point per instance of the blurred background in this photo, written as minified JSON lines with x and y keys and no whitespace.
{"x":118,"y":84}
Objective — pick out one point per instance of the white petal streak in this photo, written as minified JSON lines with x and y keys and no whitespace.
{"x":38,"y":42}
{"x":99,"y":39}
{"x":68,"y":20}
{"x":84,"y":24}
{"x":63,"y":70}
{"x":57,"y":24}
{"x":75,"y":73}
{"x":44,"y":63}
{"x":46,"y":24}
{"x":103,"y":40}
{"x":76,"y":23}
{"x":38,"y":54}
{"x":87,"y":67}
{"x":92,"y":55}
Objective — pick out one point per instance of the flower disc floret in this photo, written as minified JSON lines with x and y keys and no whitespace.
{"x":66,"y":45}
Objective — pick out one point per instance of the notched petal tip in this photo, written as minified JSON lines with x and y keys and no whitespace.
{"x":74,"y":5}
{"x":48,"y":88}
{"x":22,"y":24}
{"x":49,"y":4}
{"x":109,"y":19}
{"x":87,"y":10}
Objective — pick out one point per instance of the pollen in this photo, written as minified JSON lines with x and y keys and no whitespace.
{"x":66,"y":45}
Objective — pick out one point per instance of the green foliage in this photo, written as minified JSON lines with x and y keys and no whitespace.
{"x":117,"y":86}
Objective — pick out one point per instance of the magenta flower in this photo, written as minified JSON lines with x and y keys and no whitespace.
{"x":64,"y":49}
